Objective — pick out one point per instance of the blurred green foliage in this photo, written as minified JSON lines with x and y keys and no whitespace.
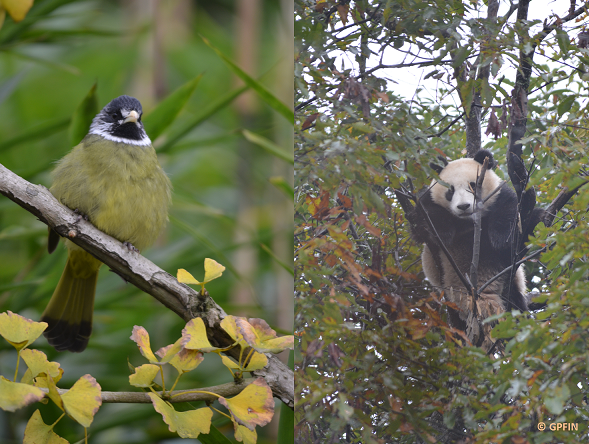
{"x":232,"y":199}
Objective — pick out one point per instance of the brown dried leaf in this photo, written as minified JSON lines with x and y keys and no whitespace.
{"x":493,"y":127}
{"x":309,"y":121}
{"x":342,"y":11}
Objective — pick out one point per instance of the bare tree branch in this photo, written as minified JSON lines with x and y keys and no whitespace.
{"x":225,"y":390}
{"x":558,"y":202}
{"x":139,"y":271}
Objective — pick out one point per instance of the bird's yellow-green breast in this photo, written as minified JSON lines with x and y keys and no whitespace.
{"x":120,"y":187}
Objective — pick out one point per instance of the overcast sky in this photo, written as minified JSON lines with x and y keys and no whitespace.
{"x":408,"y":80}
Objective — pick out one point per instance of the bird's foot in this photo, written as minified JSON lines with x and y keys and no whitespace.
{"x":80,"y":216}
{"x":130,"y":247}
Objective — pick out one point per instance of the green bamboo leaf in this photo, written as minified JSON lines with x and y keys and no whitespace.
{"x":82,"y":117}
{"x":284,"y":265}
{"x":269,"y":146}
{"x":266,"y":95}
{"x":39,"y":11}
{"x":283,"y":185}
{"x":189,"y":126}
{"x":46,"y":62}
{"x":9,"y":85}
{"x":164,"y":114}
{"x":42,"y":131}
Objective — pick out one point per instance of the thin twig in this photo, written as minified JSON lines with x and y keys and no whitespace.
{"x":476,"y":217}
{"x":508,"y":269}
{"x":438,"y":134}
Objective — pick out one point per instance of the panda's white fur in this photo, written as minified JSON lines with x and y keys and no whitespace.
{"x":450,"y":205}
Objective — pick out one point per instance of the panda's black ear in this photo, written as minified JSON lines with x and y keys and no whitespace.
{"x":438,"y":168}
{"x":480,"y":158}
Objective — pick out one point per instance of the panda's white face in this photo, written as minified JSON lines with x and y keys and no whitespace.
{"x":461,"y":175}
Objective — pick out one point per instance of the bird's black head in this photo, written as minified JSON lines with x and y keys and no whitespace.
{"x":120,"y":121}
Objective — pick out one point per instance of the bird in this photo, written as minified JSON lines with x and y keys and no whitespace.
{"x":113,"y":179}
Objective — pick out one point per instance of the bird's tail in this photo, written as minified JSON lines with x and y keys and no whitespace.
{"x":69,"y":312}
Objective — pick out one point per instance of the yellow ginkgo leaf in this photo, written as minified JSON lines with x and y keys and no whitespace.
{"x":17,"y":9}
{"x":230,"y":363}
{"x":188,"y":424}
{"x":38,"y":432}
{"x":19,"y":331}
{"x":228,"y":324}
{"x":245,"y":435}
{"x":38,"y":363}
{"x":144,"y":375}
{"x":185,"y":277}
{"x":253,"y":406}
{"x":53,"y":394}
{"x":258,"y":335}
{"x":83,"y":400}
{"x":186,"y":360}
{"x":194,"y":336}
{"x":169,"y":351}
{"x":213,"y":270}
{"x":257,"y":362}
{"x":16,"y":395}
{"x":141,"y":338}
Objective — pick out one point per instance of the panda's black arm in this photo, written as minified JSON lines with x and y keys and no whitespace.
{"x":442,"y":221}
{"x":501,"y":218}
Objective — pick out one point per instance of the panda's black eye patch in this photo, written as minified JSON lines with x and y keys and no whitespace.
{"x":450,"y":193}
{"x":473,"y":186}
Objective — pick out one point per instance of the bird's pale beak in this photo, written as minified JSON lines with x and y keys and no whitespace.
{"x":132,"y":117}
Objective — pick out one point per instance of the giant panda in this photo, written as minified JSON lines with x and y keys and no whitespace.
{"x":449,"y":204}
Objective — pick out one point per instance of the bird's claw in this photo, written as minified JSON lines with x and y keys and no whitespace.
{"x":80,"y":216}
{"x":130,"y":247}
